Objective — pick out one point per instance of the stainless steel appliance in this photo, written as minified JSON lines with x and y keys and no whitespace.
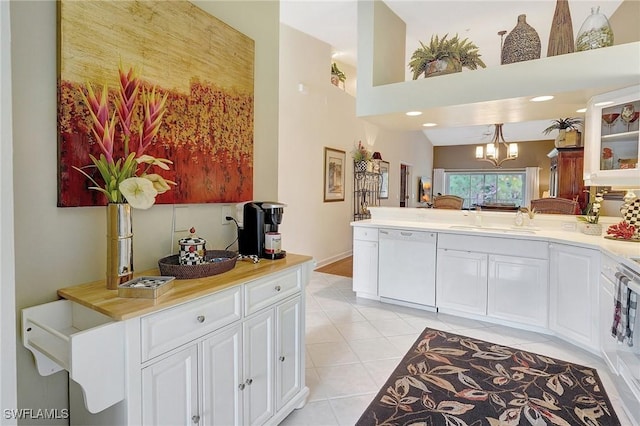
{"x":259,"y":234}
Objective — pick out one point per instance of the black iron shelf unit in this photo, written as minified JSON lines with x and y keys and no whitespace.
{"x":366,"y":193}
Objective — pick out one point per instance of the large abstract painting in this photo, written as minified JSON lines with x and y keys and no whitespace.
{"x":203,"y":65}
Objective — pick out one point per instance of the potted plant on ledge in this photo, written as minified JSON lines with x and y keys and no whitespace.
{"x":337,"y":76}
{"x":445,"y":56}
{"x":568,"y":133}
{"x":362,"y":158}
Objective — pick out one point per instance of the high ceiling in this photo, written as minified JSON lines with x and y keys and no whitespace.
{"x":335,"y":22}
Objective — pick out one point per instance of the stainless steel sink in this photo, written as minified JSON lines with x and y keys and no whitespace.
{"x":494,"y":229}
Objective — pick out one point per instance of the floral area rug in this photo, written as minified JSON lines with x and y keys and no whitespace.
{"x":452,"y":380}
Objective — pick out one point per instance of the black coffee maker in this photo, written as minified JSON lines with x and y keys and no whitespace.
{"x":259,"y":232}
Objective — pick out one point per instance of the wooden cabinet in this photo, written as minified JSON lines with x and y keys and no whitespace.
{"x":567,"y":165}
{"x":612,"y":145}
{"x":573,"y":294}
{"x":365,"y":262}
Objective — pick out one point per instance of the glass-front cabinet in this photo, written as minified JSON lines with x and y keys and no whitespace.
{"x":612,"y":135}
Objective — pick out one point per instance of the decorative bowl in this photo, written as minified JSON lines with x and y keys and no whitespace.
{"x":216,"y":262}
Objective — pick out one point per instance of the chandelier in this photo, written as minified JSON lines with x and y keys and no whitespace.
{"x":491,"y":153}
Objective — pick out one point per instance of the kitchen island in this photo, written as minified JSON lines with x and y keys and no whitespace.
{"x":225,"y":349}
{"x":545,"y":276}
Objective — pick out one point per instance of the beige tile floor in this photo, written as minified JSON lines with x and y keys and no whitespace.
{"x":353,"y":345}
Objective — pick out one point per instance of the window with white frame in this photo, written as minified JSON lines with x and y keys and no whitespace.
{"x":483,"y":187}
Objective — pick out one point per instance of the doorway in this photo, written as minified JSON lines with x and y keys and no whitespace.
{"x":405,"y":187}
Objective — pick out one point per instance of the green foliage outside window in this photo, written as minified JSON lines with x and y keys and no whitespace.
{"x":486,"y":188}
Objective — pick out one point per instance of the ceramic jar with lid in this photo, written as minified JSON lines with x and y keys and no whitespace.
{"x":192,"y":250}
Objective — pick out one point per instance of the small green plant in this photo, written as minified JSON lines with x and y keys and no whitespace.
{"x":458,"y":53}
{"x":337,"y":72}
{"x":569,"y":123}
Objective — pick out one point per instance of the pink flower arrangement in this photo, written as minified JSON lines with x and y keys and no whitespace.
{"x":138,"y":116}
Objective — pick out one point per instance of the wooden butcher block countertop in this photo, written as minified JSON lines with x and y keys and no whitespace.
{"x":95,"y":295}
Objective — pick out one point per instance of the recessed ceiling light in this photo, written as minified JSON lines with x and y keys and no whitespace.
{"x":599,"y":104}
{"x":581,"y":110}
{"x":413,"y":113}
{"x":429,"y":124}
{"x":541,"y":98}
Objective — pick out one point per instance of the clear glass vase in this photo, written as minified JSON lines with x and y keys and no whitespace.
{"x":595,"y":32}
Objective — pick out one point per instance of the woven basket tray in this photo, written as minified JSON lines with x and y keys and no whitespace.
{"x":170,"y":265}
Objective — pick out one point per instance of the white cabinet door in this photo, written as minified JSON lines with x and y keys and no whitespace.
{"x":518,"y":289}
{"x":288,"y":351}
{"x":222,"y":375}
{"x":462,"y":281}
{"x":406,"y":266}
{"x":573,"y":298}
{"x":365,"y":267}
{"x":170,"y":390}
{"x":258,"y":366}
{"x":608,"y":343}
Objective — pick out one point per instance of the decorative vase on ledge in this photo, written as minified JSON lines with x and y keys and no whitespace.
{"x":119,"y":244}
{"x":591,"y":228}
{"x":361,"y":166}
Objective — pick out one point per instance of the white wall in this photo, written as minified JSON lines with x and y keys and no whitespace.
{"x":325,"y":116}
{"x":58,"y":247}
{"x":8,"y":396}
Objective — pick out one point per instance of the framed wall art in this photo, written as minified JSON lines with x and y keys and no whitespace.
{"x":384,"y":180}
{"x":204,"y":66}
{"x":334,"y":169}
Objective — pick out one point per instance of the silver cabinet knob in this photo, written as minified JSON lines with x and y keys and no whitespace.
{"x":241,"y":386}
{"x":195,"y":419}
{"x":282,"y":358}
{"x":200,"y":318}
{"x":249,"y":381}
{"x":278,"y":288}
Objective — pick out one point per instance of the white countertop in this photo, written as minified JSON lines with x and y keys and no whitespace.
{"x":549,"y":228}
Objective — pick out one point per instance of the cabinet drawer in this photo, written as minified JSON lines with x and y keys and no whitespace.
{"x":494,"y":245}
{"x":365,"y":234}
{"x":262,"y":293}
{"x":173,"y":327}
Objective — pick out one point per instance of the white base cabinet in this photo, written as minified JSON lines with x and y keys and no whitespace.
{"x":241,"y":375}
{"x":503,"y":279}
{"x":365,"y":262}
{"x":573,"y":280}
{"x":221,"y":373}
{"x":462,"y":281}
{"x":170,"y":390}
{"x":517,"y":289}
{"x":231,"y":357}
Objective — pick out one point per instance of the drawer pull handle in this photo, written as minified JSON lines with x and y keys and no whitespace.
{"x":241,"y":386}
{"x":195,"y":419}
{"x":249,"y":381}
{"x":282,"y":359}
{"x":200,"y":318}
{"x":278,"y":288}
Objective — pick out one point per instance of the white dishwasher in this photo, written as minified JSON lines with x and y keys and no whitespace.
{"x":407,"y":266}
